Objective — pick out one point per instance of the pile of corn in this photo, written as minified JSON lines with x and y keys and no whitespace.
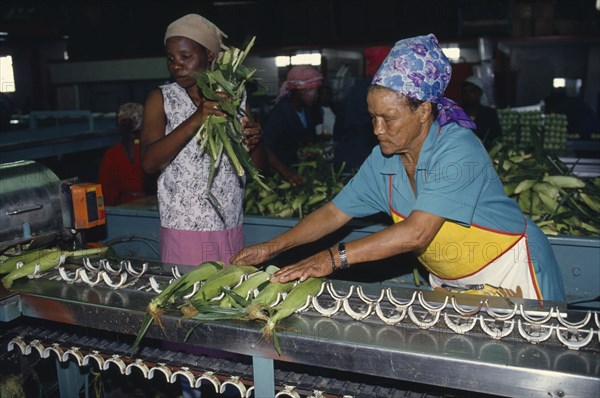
{"x":321,"y":183}
{"x":212,"y":292}
{"x":558,"y":201}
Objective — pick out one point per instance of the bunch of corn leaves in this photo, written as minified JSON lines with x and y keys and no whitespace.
{"x":39,"y":260}
{"x":546,"y":190}
{"x":221,"y":134}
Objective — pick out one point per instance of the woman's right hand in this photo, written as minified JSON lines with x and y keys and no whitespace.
{"x":254,"y":254}
{"x":206,"y":108}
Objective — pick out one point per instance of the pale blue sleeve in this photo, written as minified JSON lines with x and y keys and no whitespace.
{"x":365,"y":193}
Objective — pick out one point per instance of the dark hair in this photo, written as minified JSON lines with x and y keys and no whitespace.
{"x":414,"y":103}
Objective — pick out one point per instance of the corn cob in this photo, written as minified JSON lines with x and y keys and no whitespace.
{"x":317,"y":198}
{"x":213,"y":286}
{"x":40,"y":257}
{"x":226,"y":277}
{"x":590,"y":202}
{"x":173,"y":291}
{"x":253,"y":282}
{"x":550,"y":204}
{"x":265,"y":298}
{"x":255,"y":309}
{"x":564,"y":181}
{"x":293,"y":301}
{"x":590,"y":228}
{"x":45,"y":262}
{"x":10,"y":264}
{"x":546,"y":189}
{"x":509,"y":188}
{"x":524,"y":186}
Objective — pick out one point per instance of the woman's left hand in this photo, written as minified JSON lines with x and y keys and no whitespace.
{"x":314,"y":266}
{"x":252,"y":134}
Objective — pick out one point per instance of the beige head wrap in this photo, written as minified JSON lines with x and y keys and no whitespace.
{"x":198,"y":29}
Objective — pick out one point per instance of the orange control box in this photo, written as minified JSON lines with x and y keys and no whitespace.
{"x":88,"y":205}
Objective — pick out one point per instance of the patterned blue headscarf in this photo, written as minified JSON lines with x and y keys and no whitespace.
{"x":418,"y":68}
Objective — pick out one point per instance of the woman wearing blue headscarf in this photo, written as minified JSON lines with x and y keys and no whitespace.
{"x":433,"y":176}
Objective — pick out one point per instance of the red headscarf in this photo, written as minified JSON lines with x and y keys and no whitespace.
{"x":374,"y":56}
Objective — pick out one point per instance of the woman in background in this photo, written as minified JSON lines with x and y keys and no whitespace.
{"x":292,"y":122}
{"x":121,"y":174}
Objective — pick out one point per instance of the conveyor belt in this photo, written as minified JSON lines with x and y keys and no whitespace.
{"x":50,"y":341}
{"x":514,"y":347}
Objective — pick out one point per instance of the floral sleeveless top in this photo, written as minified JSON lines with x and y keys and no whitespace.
{"x":182,"y":185}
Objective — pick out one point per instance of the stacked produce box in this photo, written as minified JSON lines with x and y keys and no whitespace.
{"x":532,"y":128}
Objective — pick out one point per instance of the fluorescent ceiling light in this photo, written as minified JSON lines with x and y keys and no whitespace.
{"x":453,"y":53}
{"x":7,"y":78}
{"x":307,"y":59}
{"x":313,"y":59}
{"x":282,"y":61}
{"x":559,"y":82}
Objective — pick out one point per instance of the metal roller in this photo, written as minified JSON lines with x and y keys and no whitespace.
{"x":30,"y":204}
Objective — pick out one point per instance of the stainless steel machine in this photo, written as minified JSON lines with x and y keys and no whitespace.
{"x":38,"y":209}
{"x":351,"y":340}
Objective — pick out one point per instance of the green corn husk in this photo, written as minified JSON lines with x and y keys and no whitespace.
{"x":254,"y":281}
{"x":293,"y":301}
{"x":241,"y":308}
{"x":225,"y":278}
{"x":225,"y":134}
{"x":172,"y":292}
{"x":45,"y":262}
{"x":258,"y":307}
{"x":10,"y":264}
{"x":46,"y":259}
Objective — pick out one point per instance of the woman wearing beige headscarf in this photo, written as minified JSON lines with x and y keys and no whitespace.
{"x":191,"y":229}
